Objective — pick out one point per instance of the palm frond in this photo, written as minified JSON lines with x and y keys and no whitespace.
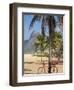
{"x":35,"y":18}
{"x":50,"y":20}
{"x":43,"y":27}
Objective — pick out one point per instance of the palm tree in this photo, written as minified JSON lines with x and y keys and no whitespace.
{"x":40,"y":45}
{"x":35,"y":48}
{"x":46,"y":21}
{"x":57,"y":44}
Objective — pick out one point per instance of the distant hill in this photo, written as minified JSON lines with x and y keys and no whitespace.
{"x":28,"y":44}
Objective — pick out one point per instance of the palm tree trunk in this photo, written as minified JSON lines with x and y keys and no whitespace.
{"x":51,"y":26}
{"x":41,"y":52}
{"x":41,"y":56}
{"x":49,"y":61}
{"x":50,"y":37}
{"x":58,"y":58}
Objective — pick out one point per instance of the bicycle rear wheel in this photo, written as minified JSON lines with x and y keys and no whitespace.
{"x":41,"y":70}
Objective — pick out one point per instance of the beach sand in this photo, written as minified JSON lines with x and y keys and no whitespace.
{"x":33,"y":65}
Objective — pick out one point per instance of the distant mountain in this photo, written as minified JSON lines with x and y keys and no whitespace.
{"x":28,"y":44}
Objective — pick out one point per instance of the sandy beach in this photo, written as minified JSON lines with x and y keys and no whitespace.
{"x":33,"y":65}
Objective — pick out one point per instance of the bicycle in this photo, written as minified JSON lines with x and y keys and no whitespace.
{"x":54,"y":68}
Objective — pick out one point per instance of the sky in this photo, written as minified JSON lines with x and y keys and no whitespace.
{"x":36,"y":28}
{"x":27,"y":21}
